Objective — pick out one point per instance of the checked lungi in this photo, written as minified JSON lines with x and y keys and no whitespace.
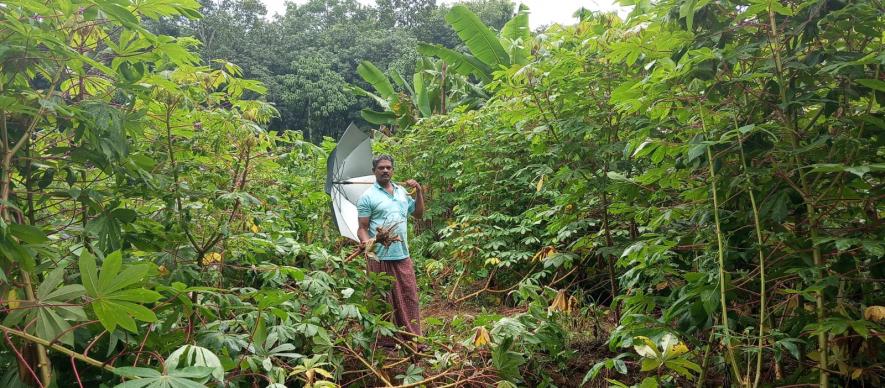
{"x":403,"y":296}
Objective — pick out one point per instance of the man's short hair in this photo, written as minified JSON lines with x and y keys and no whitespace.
{"x":379,"y":158}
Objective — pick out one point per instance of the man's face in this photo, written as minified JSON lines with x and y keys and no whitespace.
{"x":383,"y":171}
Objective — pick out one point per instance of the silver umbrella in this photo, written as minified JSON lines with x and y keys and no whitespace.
{"x":348,"y":176}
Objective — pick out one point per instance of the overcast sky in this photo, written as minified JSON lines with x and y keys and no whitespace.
{"x":542,"y":11}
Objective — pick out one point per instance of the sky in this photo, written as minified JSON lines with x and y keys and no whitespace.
{"x":542,"y":11}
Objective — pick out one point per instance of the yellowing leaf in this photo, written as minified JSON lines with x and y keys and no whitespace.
{"x":211,"y":258}
{"x":324,"y":372}
{"x":874,"y":313}
{"x":856,"y":373}
{"x":644,"y":351}
{"x":540,"y":184}
{"x":481,"y":337}
{"x":254,"y":228}
{"x":678,"y":349}
{"x":12,"y":299}
{"x":493,"y":261}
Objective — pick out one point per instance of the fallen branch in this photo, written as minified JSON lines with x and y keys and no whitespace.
{"x":425,"y":381}
{"x":59,"y":348}
{"x":484,"y":288}
{"x":489,"y":281}
{"x":368,"y":365}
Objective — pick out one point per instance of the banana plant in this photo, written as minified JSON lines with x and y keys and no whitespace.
{"x":438,"y":86}
{"x":488,"y":52}
{"x":431,"y":91}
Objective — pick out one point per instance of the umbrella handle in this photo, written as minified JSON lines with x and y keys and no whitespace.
{"x":369,"y":183}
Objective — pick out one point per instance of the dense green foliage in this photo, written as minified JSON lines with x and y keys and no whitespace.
{"x":702,"y":161}
{"x":690,"y":196}
{"x":307,"y":56}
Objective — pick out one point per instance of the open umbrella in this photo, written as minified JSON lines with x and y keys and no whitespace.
{"x":348,"y":176}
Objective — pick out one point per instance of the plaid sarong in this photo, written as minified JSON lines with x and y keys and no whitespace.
{"x":403,"y":296}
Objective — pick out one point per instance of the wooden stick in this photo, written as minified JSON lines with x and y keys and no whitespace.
{"x":41,"y":341}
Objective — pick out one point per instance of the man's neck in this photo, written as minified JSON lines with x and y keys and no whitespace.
{"x":388,"y":186}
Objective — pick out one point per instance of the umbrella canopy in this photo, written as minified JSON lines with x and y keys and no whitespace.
{"x":348,"y":176}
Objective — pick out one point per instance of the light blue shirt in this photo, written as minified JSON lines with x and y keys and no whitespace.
{"x":384,"y":209}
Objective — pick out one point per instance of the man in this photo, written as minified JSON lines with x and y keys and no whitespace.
{"x":387,"y":204}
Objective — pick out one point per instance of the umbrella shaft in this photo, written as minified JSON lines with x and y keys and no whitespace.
{"x":358,"y":183}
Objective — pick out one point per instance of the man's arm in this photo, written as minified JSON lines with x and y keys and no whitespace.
{"x":419,"y":198}
{"x":363,"y":232}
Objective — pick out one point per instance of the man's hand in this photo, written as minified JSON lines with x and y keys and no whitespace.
{"x":413,"y":184}
{"x":419,"y":197}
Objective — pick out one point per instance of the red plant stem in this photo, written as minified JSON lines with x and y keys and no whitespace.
{"x":76,"y":372}
{"x":141,"y":346}
{"x":22,"y":359}
{"x":86,"y":351}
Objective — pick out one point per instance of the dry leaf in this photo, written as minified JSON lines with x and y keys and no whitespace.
{"x":560,"y":303}
{"x":544,"y":253}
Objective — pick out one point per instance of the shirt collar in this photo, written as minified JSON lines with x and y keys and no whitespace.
{"x":395,"y":186}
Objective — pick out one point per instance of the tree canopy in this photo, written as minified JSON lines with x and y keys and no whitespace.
{"x":688,"y":196}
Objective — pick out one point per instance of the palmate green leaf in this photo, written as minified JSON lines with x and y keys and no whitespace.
{"x":190,"y":355}
{"x":108,"y":227}
{"x":89,"y":273}
{"x":109,"y":269}
{"x":478,"y":38}
{"x":131,"y":275}
{"x":113,"y":302}
{"x":175,"y":378}
{"x":156,"y":9}
{"x":110,"y":317}
{"x":136,"y":372}
{"x":118,"y":13}
{"x":53,"y":309}
{"x":50,"y":325}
